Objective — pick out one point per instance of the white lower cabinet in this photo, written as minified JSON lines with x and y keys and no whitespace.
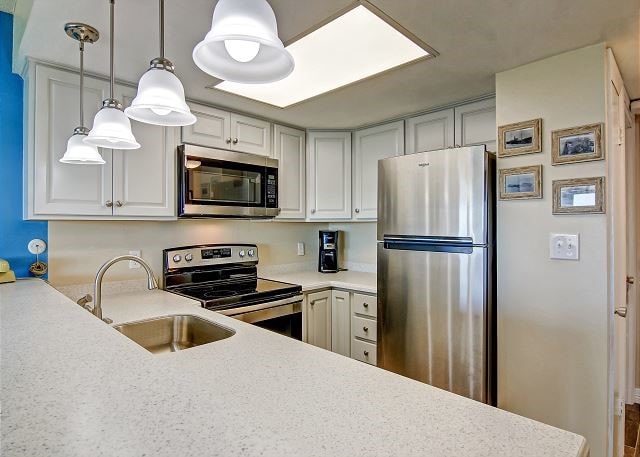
{"x":134,"y":184}
{"x":343,"y":322}
{"x":340,"y":322}
{"x":317,"y":319}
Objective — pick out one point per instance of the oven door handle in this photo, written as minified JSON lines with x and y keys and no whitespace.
{"x":260,"y":315}
{"x":294,"y":303}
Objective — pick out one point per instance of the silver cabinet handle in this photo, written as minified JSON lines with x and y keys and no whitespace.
{"x":235,"y":141}
{"x":228,"y":140}
{"x":366,"y":329}
{"x":366,"y":353}
{"x":313,"y":211}
{"x":109,"y":204}
{"x":119,"y":203}
{"x":621,"y":311}
{"x":357,"y":210}
{"x":366,"y":305}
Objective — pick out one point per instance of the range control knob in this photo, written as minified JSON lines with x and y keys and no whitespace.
{"x":188,"y":257}
{"x":241,"y":253}
{"x":251,"y":252}
{"x":177,"y":258}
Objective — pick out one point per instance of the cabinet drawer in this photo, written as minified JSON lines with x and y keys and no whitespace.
{"x":364,"y":328}
{"x":363,"y":351}
{"x":367,"y":305}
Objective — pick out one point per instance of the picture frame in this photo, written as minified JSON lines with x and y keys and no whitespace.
{"x":520,"y":138}
{"x":521,"y":183}
{"x":577,"y":144}
{"x":579,"y":196}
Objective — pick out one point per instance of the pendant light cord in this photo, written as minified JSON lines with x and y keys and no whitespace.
{"x":111,"y":40}
{"x":81,"y":83}
{"x":162,"y":29}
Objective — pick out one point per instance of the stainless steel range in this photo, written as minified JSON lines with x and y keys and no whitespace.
{"x":224,"y":278}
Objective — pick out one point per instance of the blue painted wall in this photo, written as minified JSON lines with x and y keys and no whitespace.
{"x":14,"y":232}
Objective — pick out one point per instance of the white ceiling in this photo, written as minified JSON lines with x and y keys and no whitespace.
{"x":475,"y":39}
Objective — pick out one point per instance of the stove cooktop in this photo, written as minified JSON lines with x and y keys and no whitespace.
{"x":236,"y":294}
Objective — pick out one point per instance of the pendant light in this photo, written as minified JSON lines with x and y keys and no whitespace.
{"x":243,"y":45}
{"x":77,"y":151}
{"x":160,"y":97}
{"x":111,"y":128}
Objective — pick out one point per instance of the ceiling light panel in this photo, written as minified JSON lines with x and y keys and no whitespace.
{"x":354,"y":46}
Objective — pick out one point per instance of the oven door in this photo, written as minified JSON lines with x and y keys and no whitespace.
{"x":218,"y":183}
{"x":282,"y":316}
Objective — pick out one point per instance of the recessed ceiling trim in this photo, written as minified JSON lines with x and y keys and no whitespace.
{"x":430,"y":53}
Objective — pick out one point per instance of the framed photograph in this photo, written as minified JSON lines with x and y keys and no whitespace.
{"x":579,"y":196}
{"x":521,"y":183}
{"x":577,"y":144}
{"x":520,"y":138}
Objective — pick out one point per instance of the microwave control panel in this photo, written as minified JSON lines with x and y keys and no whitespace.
{"x":272,"y":188}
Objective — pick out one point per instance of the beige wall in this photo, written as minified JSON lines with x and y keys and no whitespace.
{"x":552,"y":315}
{"x":358,"y":241}
{"x":78,"y":248}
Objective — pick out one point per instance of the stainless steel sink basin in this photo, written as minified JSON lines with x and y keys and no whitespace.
{"x":173,"y":333}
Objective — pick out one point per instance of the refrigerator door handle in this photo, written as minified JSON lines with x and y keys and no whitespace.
{"x":429,"y":243}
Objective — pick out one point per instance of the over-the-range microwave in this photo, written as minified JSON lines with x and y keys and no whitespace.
{"x":220,"y":183}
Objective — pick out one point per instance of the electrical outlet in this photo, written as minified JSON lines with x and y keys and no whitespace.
{"x":564,"y":247}
{"x":132,"y":263}
{"x":300,"y":248}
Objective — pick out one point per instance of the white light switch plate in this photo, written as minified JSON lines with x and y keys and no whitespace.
{"x":564,"y":246}
{"x":134,"y":265}
{"x":300,"y":248}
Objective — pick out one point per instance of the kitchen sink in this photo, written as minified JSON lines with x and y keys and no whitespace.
{"x":173,"y":333}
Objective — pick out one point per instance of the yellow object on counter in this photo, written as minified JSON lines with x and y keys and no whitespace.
{"x":6,"y":275}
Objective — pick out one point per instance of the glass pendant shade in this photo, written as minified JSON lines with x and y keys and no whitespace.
{"x":112,"y":130}
{"x":160,"y":100}
{"x":80,"y":153}
{"x":243,"y":45}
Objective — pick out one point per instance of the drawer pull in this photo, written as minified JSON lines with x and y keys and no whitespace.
{"x":366,"y":329}
{"x":366,"y":353}
{"x":366,"y":305}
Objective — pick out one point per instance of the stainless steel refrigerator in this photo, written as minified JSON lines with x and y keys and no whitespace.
{"x":436,"y":269}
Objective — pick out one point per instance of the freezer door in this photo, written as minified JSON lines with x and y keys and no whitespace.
{"x":437,"y":193}
{"x":432,"y":318}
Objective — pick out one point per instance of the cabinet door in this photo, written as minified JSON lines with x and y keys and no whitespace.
{"x":144,"y":179}
{"x":53,"y":112}
{"x":329,"y":175}
{"x":212,"y":129}
{"x":289,"y":149}
{"x":340,"y":326}
{"x":430,"y":132}
{"x":250,"y":135}
{"x":318,"y":319}
{"x":371,"y":145}
{"x":476,"y":124}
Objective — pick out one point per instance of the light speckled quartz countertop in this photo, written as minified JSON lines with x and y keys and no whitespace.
{"x":313,"y":280}
{"x":74,"y":386}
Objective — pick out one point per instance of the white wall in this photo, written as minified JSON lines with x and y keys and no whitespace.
{"x":552,"y":315}
{"x":358,"y":243}
{"x":78,"y":248}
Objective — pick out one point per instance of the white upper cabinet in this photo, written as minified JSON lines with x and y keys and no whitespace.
{"x":56,"y":188}
{"x":289,"y":149}
{"x":430,"y":131}
{"x":216,"y":128}
{"x":212,"y":128}
{"x":329,"y":175}
{"x":476,"y":124}
{"x":133,"y":184}
{"x":144,"y":179}
{"x":371,"y":145}
{"x":250,"y":135}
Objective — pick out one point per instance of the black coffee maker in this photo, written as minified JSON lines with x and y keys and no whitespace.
{"x":328,"y":252}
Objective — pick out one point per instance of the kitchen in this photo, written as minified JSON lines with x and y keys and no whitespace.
{"x":552,"y":366}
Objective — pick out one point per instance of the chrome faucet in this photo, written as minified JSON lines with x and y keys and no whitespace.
{"x":97,"y":286}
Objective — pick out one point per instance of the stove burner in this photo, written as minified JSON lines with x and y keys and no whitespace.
{"x":219,"y":293}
